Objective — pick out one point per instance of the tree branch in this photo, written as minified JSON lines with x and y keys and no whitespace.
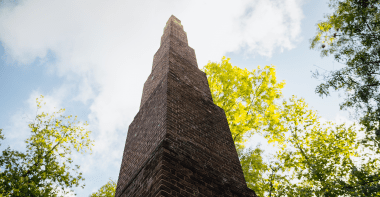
{"x":37,"y":163}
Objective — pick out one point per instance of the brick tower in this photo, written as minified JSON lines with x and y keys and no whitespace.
{"x":179,"y":143}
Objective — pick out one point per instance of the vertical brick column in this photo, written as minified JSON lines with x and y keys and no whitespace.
{"x":179,"y":143}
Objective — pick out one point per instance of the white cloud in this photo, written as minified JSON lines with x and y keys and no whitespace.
{"x":110,"y":46}
{"x":106,"y":48}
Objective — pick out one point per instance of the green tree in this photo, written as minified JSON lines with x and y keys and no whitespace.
{"x":315,"y":158}
{"x":107,"y":190}
{"x":47,"y":159}
{"x":352,"y":35}
{"x":251,"y":101}
{"x":247,"y":97}
{"x":320,"y":155}
{"x":253,"y":167}
{"x":262,"y":177}
{"x":317,"y":154}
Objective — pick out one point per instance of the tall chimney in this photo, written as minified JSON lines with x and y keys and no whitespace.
{"x":179,"y":143}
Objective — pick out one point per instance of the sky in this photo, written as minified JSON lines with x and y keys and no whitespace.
{"x":92,"y":58}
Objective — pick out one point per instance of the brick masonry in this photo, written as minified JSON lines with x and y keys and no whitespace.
{"x":179,"y":143}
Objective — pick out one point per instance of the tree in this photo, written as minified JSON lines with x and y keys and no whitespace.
{"x":251,"y":104}
{"x":48,"y":149}
{"x":261,"y":177}
{"x":352,"y":35}
{"x":316,"y":159}
{"x":317,"y":155}
{"x":107,"y":190}
{"x":248,"y":98}
{"x":321,"y":155}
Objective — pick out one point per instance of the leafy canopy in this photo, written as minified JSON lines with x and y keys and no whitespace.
{"x":314,"y":157}
{"x":250,"y":100}
{"x":247,"y":97}
{"x":317,"y":154}
{"x":107,"y":190}
{"x":47,"y":159}
{"x":352,"y":35}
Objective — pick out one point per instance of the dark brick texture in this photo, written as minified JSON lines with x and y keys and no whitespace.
{"x":179,"y":143}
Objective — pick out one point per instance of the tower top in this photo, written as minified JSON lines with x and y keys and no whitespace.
{"x":175,"y":20}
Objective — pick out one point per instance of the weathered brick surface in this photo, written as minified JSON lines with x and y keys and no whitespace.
{"x":179,"y":143}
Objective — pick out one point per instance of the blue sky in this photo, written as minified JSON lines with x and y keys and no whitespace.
{"x":93,"y":57}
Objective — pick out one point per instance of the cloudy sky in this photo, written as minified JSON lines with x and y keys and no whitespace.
{"x":92,"y":58}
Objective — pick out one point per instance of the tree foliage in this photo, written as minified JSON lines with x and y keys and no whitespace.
{"x":107,"y":190}
{"x":352,"y":35}
{"x":315,"y":158}
{"x":47,"y":159}
{"x":251,"y":104}
{"x":317,"y":153}
{"x":247,"y":97}
{"x":260,"y":176}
